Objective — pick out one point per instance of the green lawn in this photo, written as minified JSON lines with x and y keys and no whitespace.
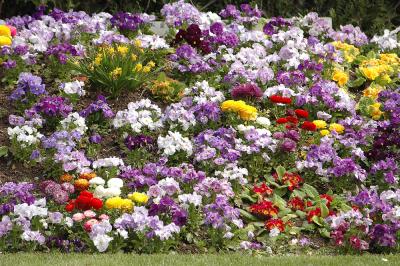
{"x":54,"y":259}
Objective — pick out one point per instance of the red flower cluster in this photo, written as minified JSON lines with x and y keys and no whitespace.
{"x":293,"y":180}
{"x":275,"y":223}
{"x":263,"y":189}
{"x":328,"y":198}
{"x":265,"y":207}
{"x":293,"y":118}
{"x":301,"y":113}
{"x":84,"y":201}
{"x":296,"y":203}
{"x":280,"y":99}
{"x":312,"y":213}
{"x":310,"y":126}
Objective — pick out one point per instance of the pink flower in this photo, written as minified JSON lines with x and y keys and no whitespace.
{"x":88,"y":224}
{"x":13,"y":30}
{"x":89,"y":214}
{"x":104,"y":217}
{"x":77,"y":217}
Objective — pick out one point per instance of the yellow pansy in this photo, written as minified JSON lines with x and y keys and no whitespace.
{"x":340,"y":77}
{"x":374,"y":110}
{"x":372,"y":91}
{"x":336,"y":127}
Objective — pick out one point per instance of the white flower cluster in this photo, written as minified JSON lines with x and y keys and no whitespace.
{"x":26,"y":135}
{"x":139,"y":115}
{"x":251,"y":63}
{"x":167,"y":186}
{"x":388,"y":41}
{"x":178,"y":115}
{"x":187,"y":199}
{"x":174,"y":142}
{"x":29,"y":211}
{"x":113,"y":189}
{"x":99,"y":235}
{"x":74,"y":87}
{"x":295,"y":46}
{"x":281,"y":90}
{"x":233,"y":172}
{"x":202,"y":92}
{"x":74,"y":122}
{"x":152,"y":42}
{"x":108,"y":162}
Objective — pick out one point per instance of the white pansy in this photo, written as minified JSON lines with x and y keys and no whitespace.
{"x":101,"y":242}
{"x":108,"y":162}
{"x":74,"y":122}
{"x":139,"y":116}
{"x":25,"y":135}
{"x":74,"y":87}
{"x":174,"y":142}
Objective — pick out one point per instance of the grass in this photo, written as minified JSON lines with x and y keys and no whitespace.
{"x":54,"y":259}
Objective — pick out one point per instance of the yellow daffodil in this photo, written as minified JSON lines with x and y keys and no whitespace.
{"x":138,"y":67}
{"x":123,"y":50}
{"x":116,"y":73}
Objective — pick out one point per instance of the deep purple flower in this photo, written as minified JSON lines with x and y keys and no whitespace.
{"x":246,"y":90}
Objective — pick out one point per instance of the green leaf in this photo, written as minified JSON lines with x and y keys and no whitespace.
{"x":324,"y":232}
{"x":357,"y":82}
{"x":248,"y":216}
{"x":280,"y":170}
{"x":324,"y":210}
{"x":3,"y":151}
{"x":317,"y":220}
{"x":310,"y":191}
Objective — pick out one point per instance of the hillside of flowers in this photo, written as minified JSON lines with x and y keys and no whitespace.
{"x":223,"y":132}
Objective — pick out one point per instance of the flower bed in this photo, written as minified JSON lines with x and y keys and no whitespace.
{"x":216,"y":136}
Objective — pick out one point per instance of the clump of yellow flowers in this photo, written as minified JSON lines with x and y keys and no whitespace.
{"x":118,"y":66}
{"x":322,"y":126}
{"x":349,"y":51}
{"x":245,"y":111}
{"x":340,"y":77}
{"x":382,"y":67}
{"x":119,"y":203}
{"x":372,"y":91}
{"x":138,"y":197}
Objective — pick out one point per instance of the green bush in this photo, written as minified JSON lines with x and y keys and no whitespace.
{"x":371,"y":15}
